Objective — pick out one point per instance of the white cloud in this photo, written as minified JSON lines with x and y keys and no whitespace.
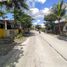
{"x":41,"y":1}
{"x":46,"y":11}
{"x":29,"y":2}
{"x":34,"y":11}
{"x":38,"y":20}
{"x":42,"y":25}
{"x":38,"y":15}
{"x":34,"y":23}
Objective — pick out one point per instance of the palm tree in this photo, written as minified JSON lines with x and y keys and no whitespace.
{"x":14,"y":3}
{"x":15,"y":6}
{"x":19,"y":16}
{"x":59,"y":12}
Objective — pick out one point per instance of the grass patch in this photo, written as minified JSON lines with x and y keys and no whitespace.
{"x":19,"y":38}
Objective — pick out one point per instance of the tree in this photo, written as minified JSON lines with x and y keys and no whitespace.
{"x":38,"y":27}
{"x":50,"y":25}
{"x":26,"y":21}
{"x":2,"y":15}
{"x":59,"y":11}
{"x":14,"y":6}
{"x":50,"y":17}
{"x":17,"y":7}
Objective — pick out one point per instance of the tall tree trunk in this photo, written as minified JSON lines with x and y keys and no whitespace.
{"x":59,"y":28}
{"x":5,"y":25}
{"x":6,"y":32}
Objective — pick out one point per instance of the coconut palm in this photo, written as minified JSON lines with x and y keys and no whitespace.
{"x":14,"y":3}
{"x":18,"y":6}
{"x":59,"y":11}
{"x":15,"y":7}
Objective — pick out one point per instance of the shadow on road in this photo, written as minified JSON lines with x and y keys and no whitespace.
{"x":14,"y":57}
{"x":13,"y":54}
{"x":62,"y":38}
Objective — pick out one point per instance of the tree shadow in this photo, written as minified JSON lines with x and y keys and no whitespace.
{"x":14,"y":57}
{"x":61,"y":37}
{"x":14,"y":54}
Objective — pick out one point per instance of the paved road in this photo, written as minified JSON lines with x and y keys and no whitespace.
{"x":40,"y":50}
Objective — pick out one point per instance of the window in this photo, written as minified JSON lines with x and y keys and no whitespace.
{"x":1,"y":25}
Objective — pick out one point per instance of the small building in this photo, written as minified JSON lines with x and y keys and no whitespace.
{"x":12,"y":28}
{"x":63,"y":28}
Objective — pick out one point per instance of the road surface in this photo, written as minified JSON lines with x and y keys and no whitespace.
{"x":39,"y":50}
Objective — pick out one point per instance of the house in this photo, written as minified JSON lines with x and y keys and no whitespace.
{"x":10,"y":31}
{"x":63,"y":27}
{"x":2,"y":30}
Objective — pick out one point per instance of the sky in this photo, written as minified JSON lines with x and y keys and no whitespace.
{"x":40,"y":8}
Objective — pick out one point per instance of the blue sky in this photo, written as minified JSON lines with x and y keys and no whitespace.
{"x":47,"y":4}
{"x":39,"y":8}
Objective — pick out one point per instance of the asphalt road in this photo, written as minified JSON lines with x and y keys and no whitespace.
{"x":40,"y":50}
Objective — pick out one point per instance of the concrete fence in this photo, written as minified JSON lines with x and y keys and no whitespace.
{"x":8,"y":33}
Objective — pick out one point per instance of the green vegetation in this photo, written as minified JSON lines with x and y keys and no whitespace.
{"x":50,"y":26}
{"x":17,"y":7}
{"x":24,"y":21}
{"x":58,"y":11}
{"x":38,"y":27}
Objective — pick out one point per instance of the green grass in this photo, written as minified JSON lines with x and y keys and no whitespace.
{"x":19,"y":38}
